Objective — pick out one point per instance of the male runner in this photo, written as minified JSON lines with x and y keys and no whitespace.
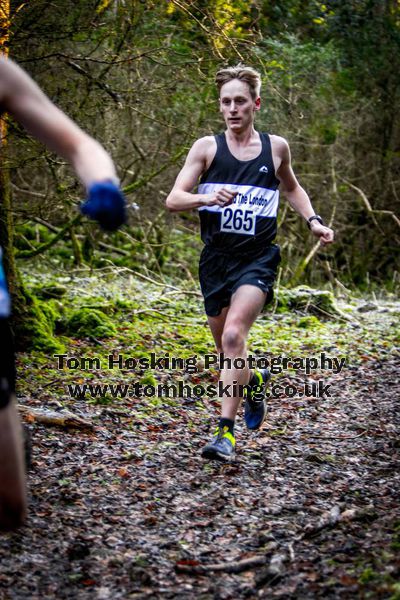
{"x":21,"y":97}
{"x":237,"y":198}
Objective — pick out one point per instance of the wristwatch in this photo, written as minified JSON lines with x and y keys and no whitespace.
{"x":314,"y":218}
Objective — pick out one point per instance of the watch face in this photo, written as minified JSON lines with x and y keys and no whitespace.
{"x":315,"y":218}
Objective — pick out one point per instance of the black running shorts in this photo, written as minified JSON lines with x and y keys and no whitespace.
{"x":222,"y":273}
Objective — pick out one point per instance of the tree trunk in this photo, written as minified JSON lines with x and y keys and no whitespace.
{"x":6,"y":219}
{"x":29,"y":322}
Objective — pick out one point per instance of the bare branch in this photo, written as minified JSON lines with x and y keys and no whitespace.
{"x":368,"y":206}
{"x":103,"y":86}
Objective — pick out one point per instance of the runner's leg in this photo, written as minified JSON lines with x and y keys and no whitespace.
{"x":246,"y":304}
{"x":230,"y":330}
{"x":12,"y":462}
{"x":216,"y":325}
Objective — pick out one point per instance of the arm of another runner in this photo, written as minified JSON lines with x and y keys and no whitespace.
{"x":181,"y":196}
{"x":297,"y":196}
{"x":21,"y":96}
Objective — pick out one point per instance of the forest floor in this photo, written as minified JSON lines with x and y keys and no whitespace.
{"x":127,"y":508}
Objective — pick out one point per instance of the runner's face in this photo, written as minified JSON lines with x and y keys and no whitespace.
{"x":237,"y":106}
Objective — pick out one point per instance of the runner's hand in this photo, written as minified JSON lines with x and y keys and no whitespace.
{"x":222,"y":197}
{"x":325,"y":234}
{"x":106,"y":204}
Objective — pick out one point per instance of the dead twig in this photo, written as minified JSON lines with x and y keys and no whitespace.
{"x":230,"y":567}
{"x":61,"y":234}
{"x":63,"y":418}
{"x":100,"y":84}
{"x":274,"y":571}
{"x":328,"y":519}
{"x":368,"y":206}
{"x":337,"y":437}
{"x":333,"y":517}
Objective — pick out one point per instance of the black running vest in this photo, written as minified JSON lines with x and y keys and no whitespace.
{"x":249,"y":223}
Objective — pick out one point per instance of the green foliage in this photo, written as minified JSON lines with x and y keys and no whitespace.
{"x":139,"y":76}
{"x":395,"y":592}
{"x":368,"y":575}
{"x":53,"y":310}
{"x":309,"y":322}
{"x":36,"y":329}
{"x":49,"y":291}
{"x":307,"y":299}
{"x":29,"y":235}
{"x":395,"y":545}
{"x":149,"y":322}
{"x":148,"y":379}
{"x":89,"y":322}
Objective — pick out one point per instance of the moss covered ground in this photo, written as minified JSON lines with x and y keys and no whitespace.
{"x":130,"y":510}
{"x":113,"y":311}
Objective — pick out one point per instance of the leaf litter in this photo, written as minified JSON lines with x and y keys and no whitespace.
{"x":128,"y":509}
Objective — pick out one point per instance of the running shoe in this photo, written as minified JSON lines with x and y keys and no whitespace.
{"x":255,"y":408}
{"x":222,"y":446}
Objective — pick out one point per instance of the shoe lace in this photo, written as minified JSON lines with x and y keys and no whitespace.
{"x":219,"y":434}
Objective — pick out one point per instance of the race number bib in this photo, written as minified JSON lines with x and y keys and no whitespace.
{"x":238,"y":221}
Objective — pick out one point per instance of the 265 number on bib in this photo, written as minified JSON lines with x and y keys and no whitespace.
{"x":238,"y":221}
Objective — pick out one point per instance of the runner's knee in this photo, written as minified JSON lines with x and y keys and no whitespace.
{"x":233,"y":340}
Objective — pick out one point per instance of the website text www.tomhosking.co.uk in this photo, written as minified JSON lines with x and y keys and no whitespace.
{"x":195,"y":364}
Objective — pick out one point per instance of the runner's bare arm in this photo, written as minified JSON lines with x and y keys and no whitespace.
{"x":181,"y":196}
{"x":22,"y":97}
{"x":297,"y":196}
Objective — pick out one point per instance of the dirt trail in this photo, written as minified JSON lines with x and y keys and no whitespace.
{"x":122,"y":512}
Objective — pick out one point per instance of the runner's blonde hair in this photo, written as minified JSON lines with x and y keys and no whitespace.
{"x":243,"y":73}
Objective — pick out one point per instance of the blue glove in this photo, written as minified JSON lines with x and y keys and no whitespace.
{"x":5,"y":303}
{"x":106,"y":204}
